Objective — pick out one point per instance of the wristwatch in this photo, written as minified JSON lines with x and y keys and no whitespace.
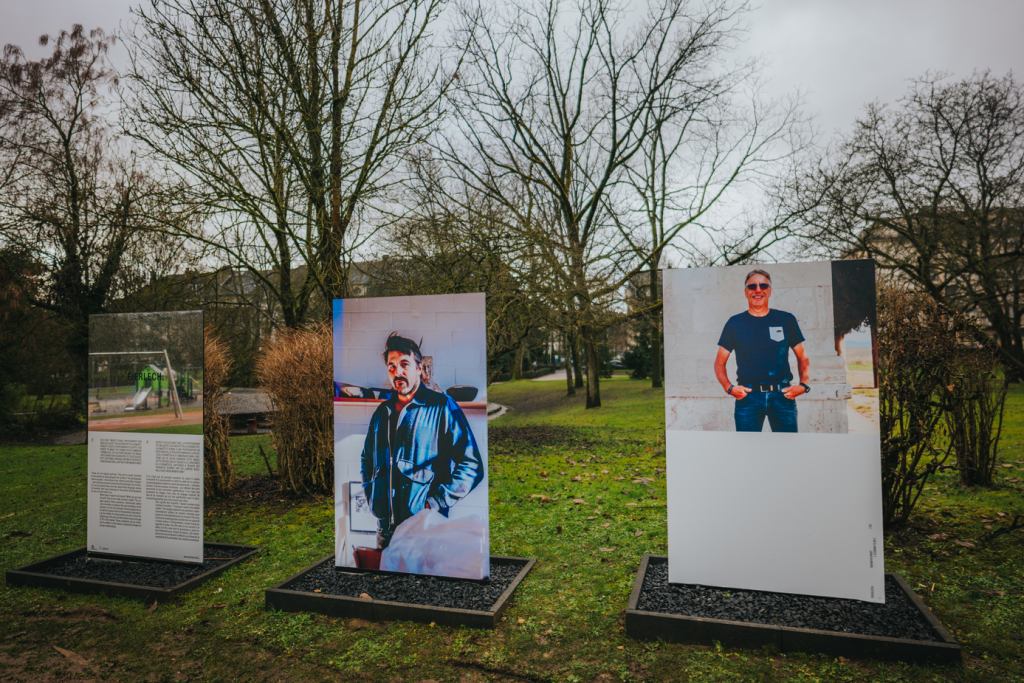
{"x":807,"y":389}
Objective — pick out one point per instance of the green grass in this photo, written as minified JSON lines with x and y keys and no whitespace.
{"x":570,"y":606}
{"x":172,"y":429}
{"x":626,"y":403}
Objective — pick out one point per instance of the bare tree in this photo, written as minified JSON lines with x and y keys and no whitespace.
{"x":454,"y":241}
{"x":933,"y":189}
{"x":567,"y":100}
{"x":710,"y":132}
{"x":289,"y":121}
{"x":74,"y":199}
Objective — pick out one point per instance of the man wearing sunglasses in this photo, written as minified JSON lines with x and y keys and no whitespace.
{"x":762,"y":337}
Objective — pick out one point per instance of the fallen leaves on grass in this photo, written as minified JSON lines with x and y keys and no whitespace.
{"x":77,"y":659}
{"x":990,"y":591}
{"x":606,"y":524}
{"x":965,"y":544}
{"x":606,"y":550}
{"x":638,"y":533}
{"x":579,"y":501}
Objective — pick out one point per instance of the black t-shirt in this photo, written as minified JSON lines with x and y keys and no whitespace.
{"x":762,"y":346}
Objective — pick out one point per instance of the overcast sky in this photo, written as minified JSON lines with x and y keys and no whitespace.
{"x":842,"y":53}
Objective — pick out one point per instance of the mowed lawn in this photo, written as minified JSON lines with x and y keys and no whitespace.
{"x":566,"y":623}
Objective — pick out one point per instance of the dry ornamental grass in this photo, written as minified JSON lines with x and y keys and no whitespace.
{"x":219,"y":472}
{"x":295,"y":368}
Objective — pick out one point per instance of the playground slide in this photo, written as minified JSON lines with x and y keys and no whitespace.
{"x":138,"y":399}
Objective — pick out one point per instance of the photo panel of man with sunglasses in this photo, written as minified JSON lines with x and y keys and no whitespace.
{"x":773,"y":452}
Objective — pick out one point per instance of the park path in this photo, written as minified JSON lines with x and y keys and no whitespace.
{"x":557,"y":375}
{"x":125,"y":424}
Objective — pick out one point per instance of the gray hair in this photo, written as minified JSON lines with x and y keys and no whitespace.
{"x":757,"y":271}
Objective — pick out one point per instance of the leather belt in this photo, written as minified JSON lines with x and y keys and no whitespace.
{"x":765,"y":388}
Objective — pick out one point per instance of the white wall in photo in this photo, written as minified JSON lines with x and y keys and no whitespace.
{"x":795,"y":513}
{"x":452,"y":328}
{"x":146,"y":495}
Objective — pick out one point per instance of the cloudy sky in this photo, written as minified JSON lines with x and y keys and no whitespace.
{"x":843,"y":54}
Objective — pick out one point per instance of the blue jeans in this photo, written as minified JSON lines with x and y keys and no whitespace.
{"x":751,"y":410}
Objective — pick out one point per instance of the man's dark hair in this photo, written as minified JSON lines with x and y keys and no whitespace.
{"x":757,"y":271}
{"x":404,"y":346}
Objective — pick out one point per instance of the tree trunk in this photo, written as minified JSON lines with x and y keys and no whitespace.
{"x":593,"y":372}
{"x":78,"y":349}
{"x":655,"y":294}
{"x":517,"y":366}
{"x":570,"y":390}
{"x":577,"y":363}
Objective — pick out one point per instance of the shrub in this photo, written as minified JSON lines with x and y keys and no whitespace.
{"x":295,"y":368}
{"x":11,"y":397}
{"x":637,"y":359}
{"x":915,"y":340}
{"x":975,"y":396}
{"x":219,"y":472}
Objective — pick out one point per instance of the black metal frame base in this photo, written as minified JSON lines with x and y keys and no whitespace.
{"x":281,"y":598}
{"x":679,"y":628}
{"x":30,"y":575}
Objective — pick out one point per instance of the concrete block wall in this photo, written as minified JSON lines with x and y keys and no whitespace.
{"x":699,"y":301}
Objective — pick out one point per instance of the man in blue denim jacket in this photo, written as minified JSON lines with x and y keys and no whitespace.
{"x":419,"y":451}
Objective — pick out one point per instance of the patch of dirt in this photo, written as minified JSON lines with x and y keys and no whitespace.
{"x":87,"y":613}
{"x":25,"y":435}
{"x":258,"y":490}
{"x":535,"y":437}
{"x":257,"y":486}
{"x":76,"y":438}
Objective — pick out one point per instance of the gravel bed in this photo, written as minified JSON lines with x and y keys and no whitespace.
{"x":148,"y":573}
{"x":897,"y":618}
{"x":414,"y":589}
